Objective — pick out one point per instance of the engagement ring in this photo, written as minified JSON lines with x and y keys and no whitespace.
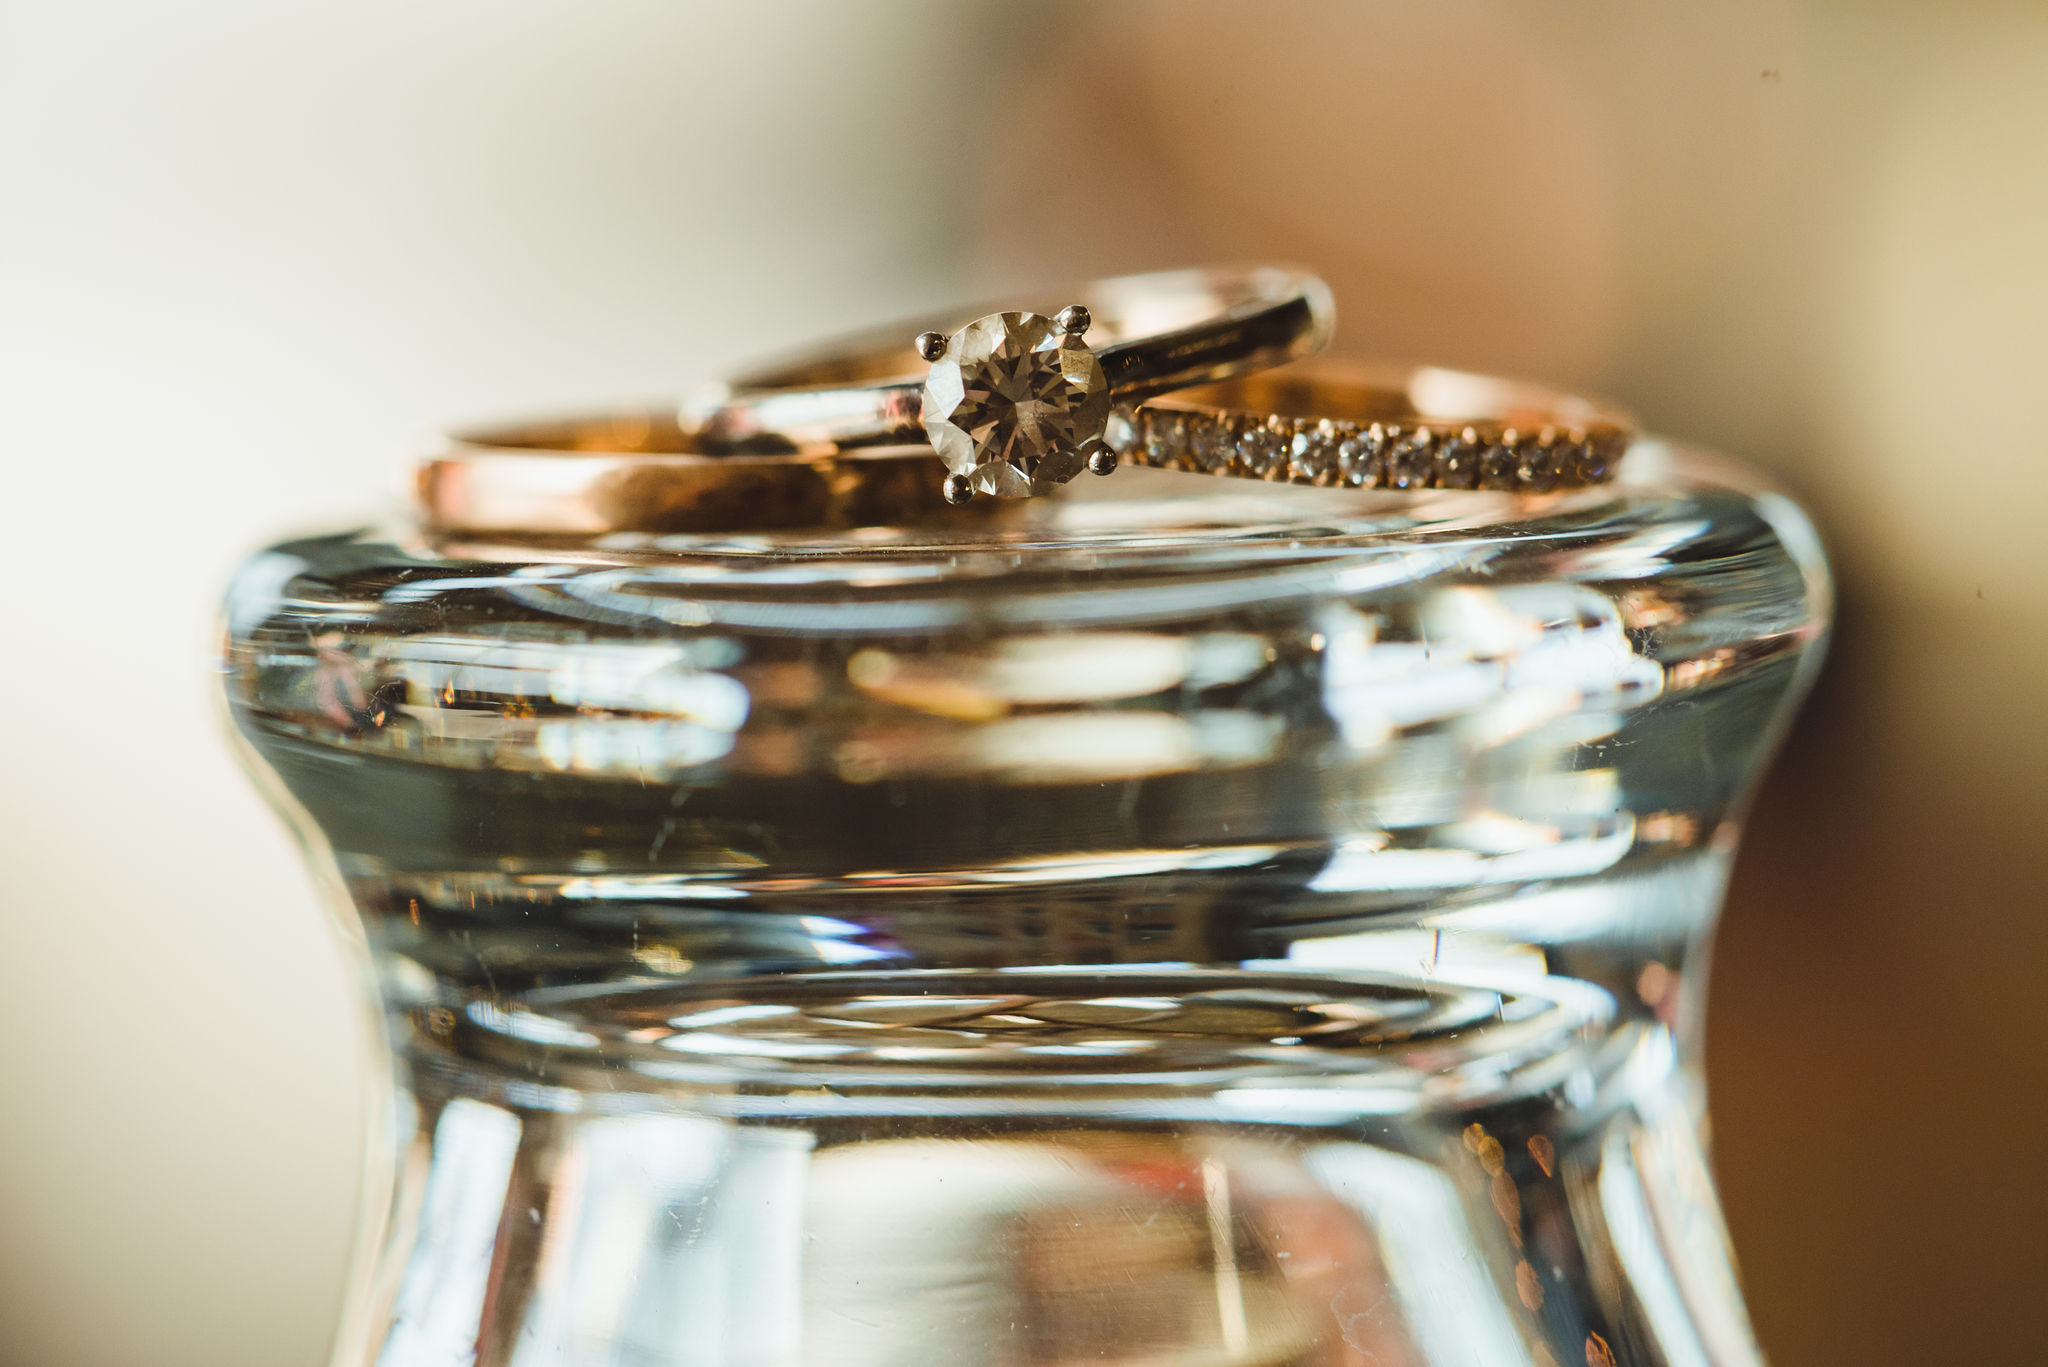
{"x":1016,"y":403}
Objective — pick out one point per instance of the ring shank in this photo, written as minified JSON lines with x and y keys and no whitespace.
{"x":1399,"y":395}
{"x":1152,"y":333}
{"x":640,"y":471}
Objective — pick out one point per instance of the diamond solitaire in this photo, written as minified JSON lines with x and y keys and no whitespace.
{"x":1016,"y":404}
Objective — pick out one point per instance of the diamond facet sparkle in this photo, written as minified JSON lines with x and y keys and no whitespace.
{"x":1011,"y":401}
{"x":1350,"y":453}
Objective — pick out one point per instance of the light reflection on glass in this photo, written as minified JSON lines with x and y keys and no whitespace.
{"x":447,"y":1278}
{"x":1185,"y":925}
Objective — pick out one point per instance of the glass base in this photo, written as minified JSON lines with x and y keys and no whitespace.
{"x":1278,"y":1221}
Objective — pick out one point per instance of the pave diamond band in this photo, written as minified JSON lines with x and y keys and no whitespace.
{"x":1348,"y":427}
{"x":1319,"y":423}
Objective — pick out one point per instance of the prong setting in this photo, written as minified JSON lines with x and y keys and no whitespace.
{"x":1014,"y":403}
{"x":957,"y":490}
{"x":1073,"y":320}
{"x":931,"y":345}
{"x":1101,"y":457}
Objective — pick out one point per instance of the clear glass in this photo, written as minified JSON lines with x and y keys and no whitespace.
{"x":1180,"y":922}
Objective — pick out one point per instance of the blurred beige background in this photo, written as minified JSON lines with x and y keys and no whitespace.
{"x":248,"y":251}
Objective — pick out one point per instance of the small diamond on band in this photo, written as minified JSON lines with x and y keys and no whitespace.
{"x":1348,"y":454}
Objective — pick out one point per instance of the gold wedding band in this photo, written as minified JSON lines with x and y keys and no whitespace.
{"x":1319,"y":423}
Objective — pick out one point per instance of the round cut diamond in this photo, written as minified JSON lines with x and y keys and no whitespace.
{"x":1410,"y":463}
{"x":1458,"y":461}
{"x":1012,"y":401}
{"x":1259,"y":451}
{"x":1544,"y":466}
{"x":1213,"y":446}
{"x":1499,"y":466}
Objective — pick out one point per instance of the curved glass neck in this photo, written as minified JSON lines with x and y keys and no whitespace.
{"x":1344,"y":854}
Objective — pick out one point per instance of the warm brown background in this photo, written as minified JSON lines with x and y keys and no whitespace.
{"x":246,"y":250}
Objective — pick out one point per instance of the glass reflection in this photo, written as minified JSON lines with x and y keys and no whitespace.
{"x":1179,"y":926}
